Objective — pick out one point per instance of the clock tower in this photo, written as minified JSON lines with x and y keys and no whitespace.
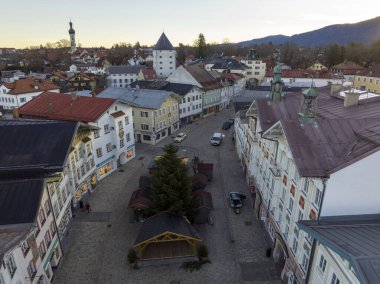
{"x":276,"y":84}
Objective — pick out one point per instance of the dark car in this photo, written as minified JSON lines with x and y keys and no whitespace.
{"x":226,"y":125}
{"x":232,"y":121}
{"x":236,"y":199}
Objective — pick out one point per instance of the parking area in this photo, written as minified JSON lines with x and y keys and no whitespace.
{"x":99,"y":241}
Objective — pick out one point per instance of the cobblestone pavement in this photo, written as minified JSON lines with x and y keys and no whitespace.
{"x":99,"y":241}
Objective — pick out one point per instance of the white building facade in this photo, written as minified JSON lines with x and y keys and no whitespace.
{"x":122,"y":76}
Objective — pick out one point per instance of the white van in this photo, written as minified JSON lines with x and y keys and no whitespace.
{"x":216,"y":139}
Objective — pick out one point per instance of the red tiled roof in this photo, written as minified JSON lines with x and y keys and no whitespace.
{"x":373,"y":71}
{"x":9,"y":85}
{"x":230,"y":76}
{"x":348,"y":65}
{"x":60,"y":74}
{"x":63,"y":107}
{"x":30,"y":85}
{"x":149,"y":74}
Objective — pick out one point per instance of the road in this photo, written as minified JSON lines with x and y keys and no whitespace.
{"x":99,"y":241}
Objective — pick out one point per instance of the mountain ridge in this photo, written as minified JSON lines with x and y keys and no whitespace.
{"x":365,"y":32}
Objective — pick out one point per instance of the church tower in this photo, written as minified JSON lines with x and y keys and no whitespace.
{"x":164,"y":57}
{"x":73,"y":45}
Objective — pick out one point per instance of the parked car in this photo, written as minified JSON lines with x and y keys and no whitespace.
{"x":180,"y":137}
{"x":226,"y":125}
{"x":236,"y":199}
{"x":232,"y":121}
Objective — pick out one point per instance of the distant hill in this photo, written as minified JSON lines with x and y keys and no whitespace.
{"x":366,"y":32}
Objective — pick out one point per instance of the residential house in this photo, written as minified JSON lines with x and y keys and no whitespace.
{"x":369,"y":79}
{"x":155,"y":112}
{"x":348,"y":68}
{"x":32,"y":178}
{"x":255,"y":73}
{"x":147,"y":74}
{"x":190,"y":106}
{"x":110,"y":144}
{"x":164,"y":57}
{"x":81,"y":81}
{"x":9,"y":76}
{"x":307,"y":155}
{"x":304,"y":78}
{"x":229,"y":65}
{"x":14,"y":95}
{"x":317,"y":66}
{"x":122,"y":76}
{"x":197,"y":76}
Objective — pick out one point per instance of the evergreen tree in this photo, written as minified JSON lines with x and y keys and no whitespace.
{"x":171,"y":186}
{"x":201,"y":46}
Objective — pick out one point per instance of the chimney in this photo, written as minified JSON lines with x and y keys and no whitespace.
{"x":50,"y":107}
{"x":74,"y":96}
{"x":351,"y":98}
{"x":335,"y":88}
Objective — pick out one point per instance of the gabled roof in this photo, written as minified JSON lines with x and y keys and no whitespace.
{"x":166,"y":222}
{"x":229,"y":63}
{"x":63,"y":107}
{"x":151,"y":99}
{"x":178,"y":88}
{"x":126,"y":69}
{"x":203,"y":77}
{"x":373,"y":71}
{"x":30,"y":85}
{"x":355,"y":238}
{"x":149,"y":74}
{"x":348,"y":66}
{"x":163,"y":43}
{"x":24,"y":149}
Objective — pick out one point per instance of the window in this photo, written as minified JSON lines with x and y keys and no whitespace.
{"x":290,"y":207}
{"x":99,"y":152}
{"x":146,"y":137}
{"x":128,"y":136}
{"x":47,"y":208}
{"x":22,"y":100}
{"x":121,"y":142}
{"x":144,"y":114}
{"x":322,"y":264}
{"x":305,"y":187}
{"x":47,"y":238}
{"x":283,"y":194}
{"x":300,"y":215}
{"x":127,"y":120}
{"x":82,"y":171}
{"x":78,"y":176}
{"x":52,"y":229}
{"x":317,"y":197}
{"x":42,"y":249}
{"x":41,"y":217}
{"x":11,"y":265}
{"x":295,"y":245}
{"x":334,"y":279}
{"x":144,"y":126}
{"x":106,"y":128}
{"x":76,"y":155}
{"x":25,"y":247}
{"x":96,"y":133}
{"x":31,"y":269}
{"x":305,"y":262}
{"x":120,"y":124}
{"x":109,"y":147}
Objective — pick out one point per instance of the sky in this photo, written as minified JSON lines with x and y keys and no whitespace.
{"x":26,"y":23}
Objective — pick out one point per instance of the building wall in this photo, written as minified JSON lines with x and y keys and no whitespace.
{"x":42,"y":250}
{"x":326,"y":263}
{"x":256,"y":69}
{"x":211,"y":101}
{"x":161,"y":122}
{"x":122,"y":80}
{"x":371,"y":84}
{"x":358,"y":184}
{"x":164,"y":62}
{"x":191,"y":105}
{"x":113,"y":143}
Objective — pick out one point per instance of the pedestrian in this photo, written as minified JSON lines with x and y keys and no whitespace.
{"x":88,"y":207}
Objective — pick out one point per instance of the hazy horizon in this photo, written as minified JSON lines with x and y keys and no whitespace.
{"x":98,"y":23}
